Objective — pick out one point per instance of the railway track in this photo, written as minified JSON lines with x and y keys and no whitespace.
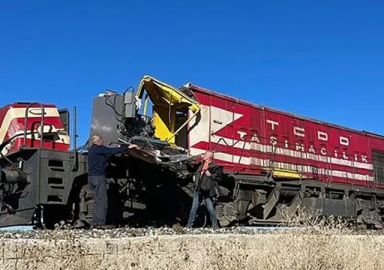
{"x":28,"y":232}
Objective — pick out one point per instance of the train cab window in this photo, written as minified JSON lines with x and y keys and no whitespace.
{"x":181,"y":137}
{"x":378,"y":165}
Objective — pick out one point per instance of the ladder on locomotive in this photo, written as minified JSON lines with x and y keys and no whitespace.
{"x":26,"y":124}
{"x":271,"y":162}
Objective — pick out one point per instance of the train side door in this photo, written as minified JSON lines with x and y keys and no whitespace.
{"x":377,"y":160}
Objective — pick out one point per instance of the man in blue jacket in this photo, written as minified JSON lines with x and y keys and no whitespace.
{"x":98,"y":156}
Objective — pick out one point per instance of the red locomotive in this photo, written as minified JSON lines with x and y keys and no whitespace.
{"x":321,"y":167}
{"x":251,"y":138}
{"x":275,"y":162}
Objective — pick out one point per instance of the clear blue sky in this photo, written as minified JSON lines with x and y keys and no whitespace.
{"x":321,"y":59}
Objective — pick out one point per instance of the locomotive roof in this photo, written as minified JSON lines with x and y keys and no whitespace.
{"x":239,"y":101}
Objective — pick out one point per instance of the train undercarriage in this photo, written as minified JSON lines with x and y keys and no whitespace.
{"x":300,"y":202}
{"x":148,"y":195}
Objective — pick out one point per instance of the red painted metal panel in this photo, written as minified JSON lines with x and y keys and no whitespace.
{"x":265,"y":137}
{"x":12,"y":123}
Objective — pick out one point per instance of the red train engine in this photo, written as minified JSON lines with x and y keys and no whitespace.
{"x":280,"y":161}
{"x":275,"y":162}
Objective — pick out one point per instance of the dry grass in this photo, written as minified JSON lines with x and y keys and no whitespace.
{"x":217,"y":251}
{"x":324,"y":244}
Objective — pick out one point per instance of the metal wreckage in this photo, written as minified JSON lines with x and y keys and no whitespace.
{"x":275,"y":162}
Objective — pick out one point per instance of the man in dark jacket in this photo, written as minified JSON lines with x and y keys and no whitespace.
{"x":206,"y":175}
{"x":98,"y":156}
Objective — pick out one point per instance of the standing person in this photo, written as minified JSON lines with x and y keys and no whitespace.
{"x":98,"y":156}
{"x":204,"y":188}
